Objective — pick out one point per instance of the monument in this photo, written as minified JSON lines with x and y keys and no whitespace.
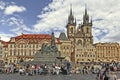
{"x":48,"y":53}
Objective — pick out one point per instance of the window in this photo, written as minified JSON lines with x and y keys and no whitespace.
{"x":71,"y":29}
{"x":25,"y":53}
{"x":14,"y":52}
{"x":10,"y":52}
{"x":14,"y":61}
{"x":18,"y":52}
{"x":21,"y":45}
{"x":76,"y":55}
{"x":82,"y":55}
{"x":33,"y":46}
{"x":87,"y":30}
{"x":36,"y":46}
{"x":29,"y":46}
{"x":10,"y":61}
{"x":90,"y":55}
{"x":79,"y":42}
{"x":10,"y":45}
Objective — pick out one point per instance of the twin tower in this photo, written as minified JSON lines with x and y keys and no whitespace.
{"x":81,"y":35}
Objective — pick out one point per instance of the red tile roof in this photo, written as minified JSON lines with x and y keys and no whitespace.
{"x":5,"y":44}
{"x":37,"y":36}
{"x":34,"y":38}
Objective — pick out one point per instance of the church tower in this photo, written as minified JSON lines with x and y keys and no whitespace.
{"x":87,"y":29}
{"x":71,"y":29}
{"x":71,"y":26}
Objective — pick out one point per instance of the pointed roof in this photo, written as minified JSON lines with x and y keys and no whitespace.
{"x":85,"y":10}
{"x":91,"y":20}
{"x":85,"y":16}
{"x":63,"y":36}
{"x":71,"y":17}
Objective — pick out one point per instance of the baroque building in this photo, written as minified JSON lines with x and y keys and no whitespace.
{"x":81,"y":38}
{"x":107,"y":52}
{"x":3,"y":50}
{"x":23,"y":47}
{"x":1,"y":47}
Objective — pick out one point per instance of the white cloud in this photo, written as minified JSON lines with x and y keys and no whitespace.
{"x":12,"y":23}
{"x":105,"y":16}
{"x":2,"y":5}
{"x":14,"y":8}
{"x":19,"y":25}
{"x":5,"y":37}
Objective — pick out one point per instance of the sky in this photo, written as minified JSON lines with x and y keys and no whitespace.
{"x":46,"y":16}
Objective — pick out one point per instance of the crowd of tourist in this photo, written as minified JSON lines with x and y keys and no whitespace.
{"x":35,"y":69}
{"x":102,"y":71}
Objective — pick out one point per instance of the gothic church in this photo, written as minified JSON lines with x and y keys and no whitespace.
{"x":81,"y":38}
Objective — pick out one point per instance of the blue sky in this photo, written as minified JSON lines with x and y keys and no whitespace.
{"x":45,"y":16}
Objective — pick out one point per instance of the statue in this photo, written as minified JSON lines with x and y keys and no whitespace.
{"x":48,"y":53}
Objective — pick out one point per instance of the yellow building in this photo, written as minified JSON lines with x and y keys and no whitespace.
{"x":107,"y":52}
{"x":65,"y":47}
{"x":23,"y":47}
{"x":3,"y":50}
{"x":85,"y":54}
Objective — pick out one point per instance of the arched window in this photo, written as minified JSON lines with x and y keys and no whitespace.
{"x":87,"y":30}
{"x":71,"y":29}
{"x":79,"y":42}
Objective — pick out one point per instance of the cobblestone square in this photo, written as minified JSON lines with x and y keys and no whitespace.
{"x":48,"y":77}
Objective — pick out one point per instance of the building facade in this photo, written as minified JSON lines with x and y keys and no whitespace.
{"x":3,"y":50}
{"x":81,"y":38}
{"x":107,"y":52}
{"x":23,"y":47}
{"x":65,"y":47}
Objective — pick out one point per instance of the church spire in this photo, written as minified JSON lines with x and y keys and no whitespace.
{"x":85,"y":17}
{"x":85,"y":10}
{"x":71,"y":17}
{"x":71,"y":9}
{"x":91,"y":20}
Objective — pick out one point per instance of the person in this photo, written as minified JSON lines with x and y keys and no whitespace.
{"x":112,"y":76}
{"x":63,"y":70}
{"x":57,"y":69}
{"x":68,"y":68}
{"x":21,"y":71}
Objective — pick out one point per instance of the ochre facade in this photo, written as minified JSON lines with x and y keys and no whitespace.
{"x":23,"y":47}
{"x":107,"y":52}
{"x":81,"y":39}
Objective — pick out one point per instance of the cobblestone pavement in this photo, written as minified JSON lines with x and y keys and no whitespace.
{"x":47,"y":77}
{"x":50,"y":77}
